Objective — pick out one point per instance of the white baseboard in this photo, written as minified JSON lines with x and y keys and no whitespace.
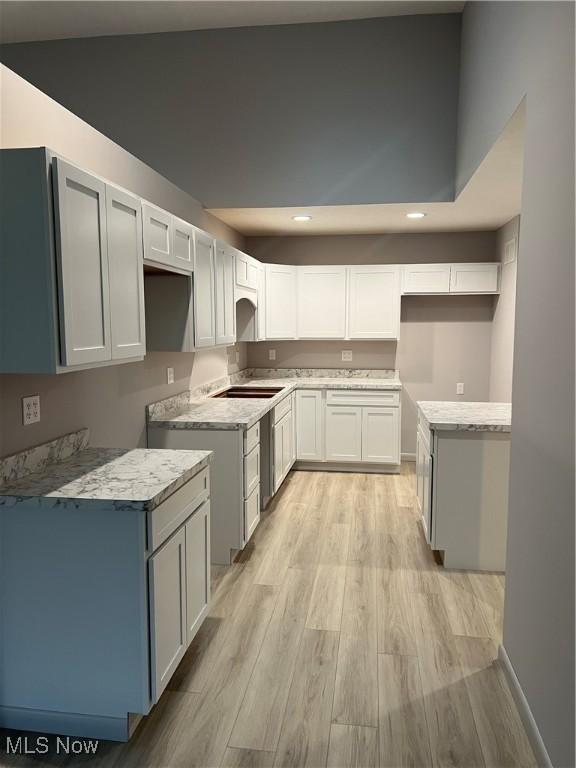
{"x":536,"y":741}
{"x":408,"y":457}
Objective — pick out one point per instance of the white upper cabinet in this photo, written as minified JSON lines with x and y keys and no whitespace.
{"x":426,"y":278}
{"x":261,"y":309}
{"x":182,"y":244}
{"x":125,"y":252}
{"x":374,"y":302}
{"x":204,"y":291}
{"x":474,"y":278}
{"x":246,"y":268}
{"x":82,"y":250}
{"x":280,"y":301}
{"x":321,"y":302}
{"x":157,"y":234}
{"x":225,"y":304}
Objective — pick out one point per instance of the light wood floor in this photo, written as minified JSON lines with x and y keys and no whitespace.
{"x":335,"y":640}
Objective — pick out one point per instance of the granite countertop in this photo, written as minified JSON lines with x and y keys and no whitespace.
{"x":212,"y":413}
{"x":471,"y":417}
{"x":138,"y":479}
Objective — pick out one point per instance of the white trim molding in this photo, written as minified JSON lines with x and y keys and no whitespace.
{"x":408,"y":457}
{"x":532,"y":731}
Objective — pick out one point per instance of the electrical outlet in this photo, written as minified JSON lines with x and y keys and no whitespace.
{"x":271,"y":354}
{"x":346,"y":355}
{"x":170,"y":375}
{"x":31,"y":409}
{"x":460,"y":388}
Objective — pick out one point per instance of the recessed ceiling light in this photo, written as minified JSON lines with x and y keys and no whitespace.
{"x":415,"y":215}
{"x":301,"y":217}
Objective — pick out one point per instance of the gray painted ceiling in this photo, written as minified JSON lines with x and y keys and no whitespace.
{"x":25,"y":20}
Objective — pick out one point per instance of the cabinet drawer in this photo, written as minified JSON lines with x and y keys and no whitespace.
{"x":362,"y":397}
{"x":251,"y":438}
{"x":251,"y":513}
{"x":163,"y":520}
{"x":282,"y":409}
{"x":251,"y":471}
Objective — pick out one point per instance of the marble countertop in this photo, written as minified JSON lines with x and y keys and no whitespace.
{"x":471,"y":417}
{"x":223,"y":414}
{"x":139,"y":479}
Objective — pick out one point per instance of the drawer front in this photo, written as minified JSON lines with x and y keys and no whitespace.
{"x":251,"y":513}
{"x":282,"y":409}
{"x":251,"y":471}
{"x":362,"y":397}
{"x":251,"y":438}
{"x":164,"y":520}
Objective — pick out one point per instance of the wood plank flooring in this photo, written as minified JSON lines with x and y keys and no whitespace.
{"x":336,"y":640}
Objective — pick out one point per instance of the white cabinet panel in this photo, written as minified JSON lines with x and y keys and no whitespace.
{"x":374,"y":302}
{"x":225,"y":304}
{"x":126,"y":272}
{"x":309,"y":425}
{"x":261,"y":309}
{"x":197,"y":535}
{"x":321,"y":302}
{"x":182,"y":244}
{"x":287,"y":443}
{"x":343,"y":433}
{"x":246,"y":270}
{"x":167,"y":579}
{"x":157,"y":234}
{"x":204,"y":290}
{"x":280,"y":301}
{"x":251,"y":470}
{"x":380,"y":435}
{"x":426,"y":278}
{"x":474,"y":278}
{"x":80,"y":207}
{"x":251,"y":513}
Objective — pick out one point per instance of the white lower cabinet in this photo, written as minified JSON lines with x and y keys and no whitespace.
{"x":167,"y":579}
{"x":197,"y":531}
{"x":252,"y":512}
{"x":380,"y":435}
{"x":309,"y":425}
{"x":282,"y":441}
{"x":343,"y":433}
{"x":179,"y":582}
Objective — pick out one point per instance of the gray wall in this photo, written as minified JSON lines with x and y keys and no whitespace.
{"x":443,"y":339}
{"x":346,"y":112}
{"x":502,"y":342}
{"x":512,"y":50}
{"x":110,"y":401}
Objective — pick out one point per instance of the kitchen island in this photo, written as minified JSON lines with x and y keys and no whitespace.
{"x":462,"y":467}
{"x":104,"y":579}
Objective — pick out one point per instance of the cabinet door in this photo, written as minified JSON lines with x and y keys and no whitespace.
{"x":374,"y":302}
{"x":474,"y":278}
{"x":126,"y":271}
{"x":225,"y":304}
{"x":309,"y":442}
{"x":204,"y":305}
{"x":157,"y":234}
{"x":197,"y":534}
{"x":278,"y":439}
{"x":280,"y":301}
{"x":343,"y":433}
{"x":381,"y":435}
{"x":287,"y":443}
{"x":182,"y":244}
{"x":426,"y":278}
{"x":251,"y":513}
{"x":167,"y":582}
{"x":84,"y":295}
{"x":419,"y":472}
{"x":427,"y":511}
{"x":321,"y":302}
{"x":246,"y":270}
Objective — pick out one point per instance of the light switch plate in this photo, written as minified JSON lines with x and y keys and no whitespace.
{"x":31,"y":409}
{"x":346,"y":355}
{"x":170,"y":375}
{"x":271,"y":354}
{"x":460,"y":388}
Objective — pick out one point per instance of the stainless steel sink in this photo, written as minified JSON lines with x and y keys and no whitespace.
{"x":249,"y":392}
